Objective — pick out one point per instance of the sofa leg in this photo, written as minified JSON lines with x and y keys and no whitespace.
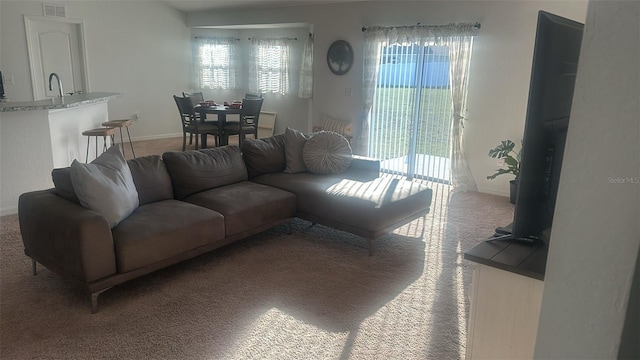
{"x":34,"y":267}
{"x":372,"y":247}
{"x":94,"y":299}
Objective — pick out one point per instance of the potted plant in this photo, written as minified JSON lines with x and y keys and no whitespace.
{"x":505,"y":150}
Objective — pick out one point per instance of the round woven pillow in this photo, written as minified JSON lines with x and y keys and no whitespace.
{"x":327,"y":153}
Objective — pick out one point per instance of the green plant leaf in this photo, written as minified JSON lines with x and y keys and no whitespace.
{"x":509,"y":160}
{"x":499,"y":172}
{"x":502,"y":150}
{"x":505,"y":151}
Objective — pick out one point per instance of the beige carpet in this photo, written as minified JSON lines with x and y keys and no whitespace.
{"x":314,"y":294}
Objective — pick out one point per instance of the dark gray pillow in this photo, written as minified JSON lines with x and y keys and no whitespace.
{"x":64,"y":187}
{"x":195,"y":171}
{"x":327,"y":153}
{"x":151,"y":178}
{"x":294,"y":141}
{"x":264,"y":156}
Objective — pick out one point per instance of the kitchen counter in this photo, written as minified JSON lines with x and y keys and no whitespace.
{"x":66,"y":102}
{"x":38,"y":136}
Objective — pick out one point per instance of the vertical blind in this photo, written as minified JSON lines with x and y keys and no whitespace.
{"x":411,"y":112}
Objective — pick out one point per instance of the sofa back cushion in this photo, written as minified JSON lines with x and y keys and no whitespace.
{"x":63,"y":185}
{"x":195,"y":171}
{"x":149,"y":175}
{"x":151,"y":178}
{"x":264,"y":156}
{"x":294,"y":141}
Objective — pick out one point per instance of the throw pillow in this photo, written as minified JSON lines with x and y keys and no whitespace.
{"x":106,"y":186}
{"x":339,"y":126}
{"x":294,"y":141}
{"x":63,"y":185}
{"x":264,"y":156}
{"x":151,"y":178}
{"x":327,"y":153}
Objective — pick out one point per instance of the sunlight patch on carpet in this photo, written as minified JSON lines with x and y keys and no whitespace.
{"x":277,"y":335}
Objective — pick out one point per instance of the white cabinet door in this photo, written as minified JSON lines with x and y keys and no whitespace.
{"x":55,"y":46}
{"x":503,"y":316}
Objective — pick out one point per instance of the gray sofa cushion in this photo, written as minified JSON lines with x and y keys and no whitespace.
{"x":195,"y":171}
{"x":106,"y":185}
{"x":294,"y":141}
{"x":327,"y":153}
{"x":63,"y":185}
{"x":149,"y":175}
{"x":163,"y":229}
{"x":151,"y":178}
{"x":366,"y":208}
{"x":247,"y":205}
{"x":264,"y":156}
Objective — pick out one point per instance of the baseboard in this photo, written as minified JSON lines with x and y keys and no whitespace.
{"x":156,"y":137}
{"x":493,"y":191}
{"x":8,"y":210}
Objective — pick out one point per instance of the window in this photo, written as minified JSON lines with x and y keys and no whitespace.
{"x":215,"y":65}
{"x":411,"y":113}
{"x":414,"y":92}
{"x":269,"y":66}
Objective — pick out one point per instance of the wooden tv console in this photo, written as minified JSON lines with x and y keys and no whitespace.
{"x":505,"y":299}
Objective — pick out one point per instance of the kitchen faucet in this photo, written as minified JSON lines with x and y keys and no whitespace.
{"x":60,"y":91}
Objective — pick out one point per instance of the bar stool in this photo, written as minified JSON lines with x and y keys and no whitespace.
{"x":102,"y":131}
{"x":121,"y":124}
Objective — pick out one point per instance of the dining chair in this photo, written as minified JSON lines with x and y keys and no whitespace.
{"x":195,"y":97}
{"x":248,"y":124}
{"x":252,"y":96}
{"x":191,"y":123}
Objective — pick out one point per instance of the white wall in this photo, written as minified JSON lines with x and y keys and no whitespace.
{"x":501,"y":65}
{"x":138,"y":48}
{"x":596,"y":236}
{"x":141,"y":48}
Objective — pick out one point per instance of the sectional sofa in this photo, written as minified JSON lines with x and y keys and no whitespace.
{"x":189,"y":203}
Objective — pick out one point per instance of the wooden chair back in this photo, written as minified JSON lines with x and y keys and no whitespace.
{"x":185,"y":108}
{"x":250,"y":112}
{"x":195,"y":97}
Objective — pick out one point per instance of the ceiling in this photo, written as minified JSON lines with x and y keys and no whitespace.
{"x":200,"y":5}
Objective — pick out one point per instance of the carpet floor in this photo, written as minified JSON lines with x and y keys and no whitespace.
{"x":313,"y":294}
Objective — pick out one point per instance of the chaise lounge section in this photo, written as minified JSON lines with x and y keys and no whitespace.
{"x":356,"y":200}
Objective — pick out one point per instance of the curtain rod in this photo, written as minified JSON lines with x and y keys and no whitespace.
{"x":280,"y":38}
{"x":477,"y":25}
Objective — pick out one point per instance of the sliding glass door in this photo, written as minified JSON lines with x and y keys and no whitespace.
{"x":412,"y":110}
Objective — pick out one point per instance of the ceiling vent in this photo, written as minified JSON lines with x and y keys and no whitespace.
{"x":54,"y":10}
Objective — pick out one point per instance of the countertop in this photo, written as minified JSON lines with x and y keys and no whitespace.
{"x":527,"y":259}
{"x":66,"y":102}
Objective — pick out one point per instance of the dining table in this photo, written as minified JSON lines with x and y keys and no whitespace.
{"x":221,"y":111}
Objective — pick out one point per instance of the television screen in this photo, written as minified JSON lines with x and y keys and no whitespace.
{"x":553,"y":75}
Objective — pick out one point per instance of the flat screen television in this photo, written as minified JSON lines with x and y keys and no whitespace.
{"x":553,"y":75}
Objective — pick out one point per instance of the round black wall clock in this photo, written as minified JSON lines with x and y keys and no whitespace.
{"x":340,"y":57}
